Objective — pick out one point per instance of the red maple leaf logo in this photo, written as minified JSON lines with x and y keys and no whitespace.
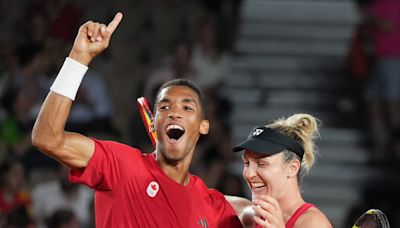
{"x":154,"y":186}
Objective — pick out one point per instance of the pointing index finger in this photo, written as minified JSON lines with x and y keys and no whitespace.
{"x":114,"y":23}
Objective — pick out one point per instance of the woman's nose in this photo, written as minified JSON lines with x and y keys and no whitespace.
{"x":249,"y":172}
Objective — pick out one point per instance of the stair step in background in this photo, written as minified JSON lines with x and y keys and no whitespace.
{"x":290,"y":58}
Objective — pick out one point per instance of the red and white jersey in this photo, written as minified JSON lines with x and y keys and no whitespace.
{"x":132,"y":191}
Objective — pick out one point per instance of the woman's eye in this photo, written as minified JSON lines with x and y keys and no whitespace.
{"x":188,"y":108}
{"x":262,"y":164}
{"x":165,"y":107}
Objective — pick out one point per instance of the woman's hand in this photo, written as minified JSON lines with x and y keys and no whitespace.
{"x":268,"y":212}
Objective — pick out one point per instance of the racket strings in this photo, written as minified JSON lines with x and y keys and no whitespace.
{"x":373,"y":218}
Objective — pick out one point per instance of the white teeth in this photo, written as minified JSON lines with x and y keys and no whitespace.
{"x":174,"y":126}
{"x":257,"y":185}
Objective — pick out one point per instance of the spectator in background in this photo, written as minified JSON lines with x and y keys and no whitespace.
{"x":93,"y":107}
{"x":383,"y":88}
{"x":228,"y":17}
{"x":360,"y":60}
{"x":12,"y":188}
{"x":360,"y":55}
{"x":210,"y":61}
{"x":37,"y":29}
{"x":30,"y":70}
{"x":19,"y":217}
{"x":16,"y":125}
{"x":49,"y":197}
{"x":58,"y":14}
{"x":62,"y":219}
{"x":66,"y":18}
{"x":8,"y":65}
{"x":15,"y":130}
{"x":177,"y":65}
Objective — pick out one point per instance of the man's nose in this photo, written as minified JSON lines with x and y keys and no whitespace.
{"x":173,"y":113}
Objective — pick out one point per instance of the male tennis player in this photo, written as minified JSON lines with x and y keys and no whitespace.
{"x":133,"y":189}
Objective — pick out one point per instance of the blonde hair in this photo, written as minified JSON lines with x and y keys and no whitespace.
{"x":303,"y":128}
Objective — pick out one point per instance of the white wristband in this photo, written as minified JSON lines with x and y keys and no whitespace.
{"x":69,"y":78}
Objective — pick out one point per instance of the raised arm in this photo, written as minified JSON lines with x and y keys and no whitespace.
{"x":48,"y":134}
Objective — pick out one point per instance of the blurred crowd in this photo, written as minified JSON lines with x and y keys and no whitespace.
{"x":158,"y":40}
{"x":374,"y":64}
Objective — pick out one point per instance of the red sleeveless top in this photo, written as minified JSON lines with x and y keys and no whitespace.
{"x":290,"y":223}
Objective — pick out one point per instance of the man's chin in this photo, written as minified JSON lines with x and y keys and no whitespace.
{"x":172,"y":155}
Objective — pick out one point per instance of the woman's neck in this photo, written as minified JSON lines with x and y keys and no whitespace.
{"x":290,"y":204}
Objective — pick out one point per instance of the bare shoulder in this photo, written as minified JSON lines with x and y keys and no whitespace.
{"x":313,"y":217}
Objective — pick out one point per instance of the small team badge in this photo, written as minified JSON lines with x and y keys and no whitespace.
{"x":152,"y":189}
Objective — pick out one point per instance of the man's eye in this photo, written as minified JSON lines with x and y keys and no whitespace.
{"x":164,"y":107}
{"x":246,"y":163}
{"x":188,"y":108}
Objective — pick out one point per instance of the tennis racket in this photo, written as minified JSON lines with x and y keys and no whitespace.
{"x":373,"y":218}
{"x":147,"y":116}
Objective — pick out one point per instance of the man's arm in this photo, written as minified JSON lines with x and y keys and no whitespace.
{"x":48,"y":134}
{"x":243,"y":210}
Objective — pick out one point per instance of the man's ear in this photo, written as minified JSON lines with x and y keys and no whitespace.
{"x":151,"y":127}
{"x":204,"y":127}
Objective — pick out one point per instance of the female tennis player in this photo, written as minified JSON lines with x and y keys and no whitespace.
{"x":276,"y":157}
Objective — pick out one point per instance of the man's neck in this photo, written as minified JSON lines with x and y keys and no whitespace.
{"x":178,"y":171}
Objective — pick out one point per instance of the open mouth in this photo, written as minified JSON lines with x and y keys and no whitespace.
{"x":174,"y":131}
{"x":258,"y":185}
